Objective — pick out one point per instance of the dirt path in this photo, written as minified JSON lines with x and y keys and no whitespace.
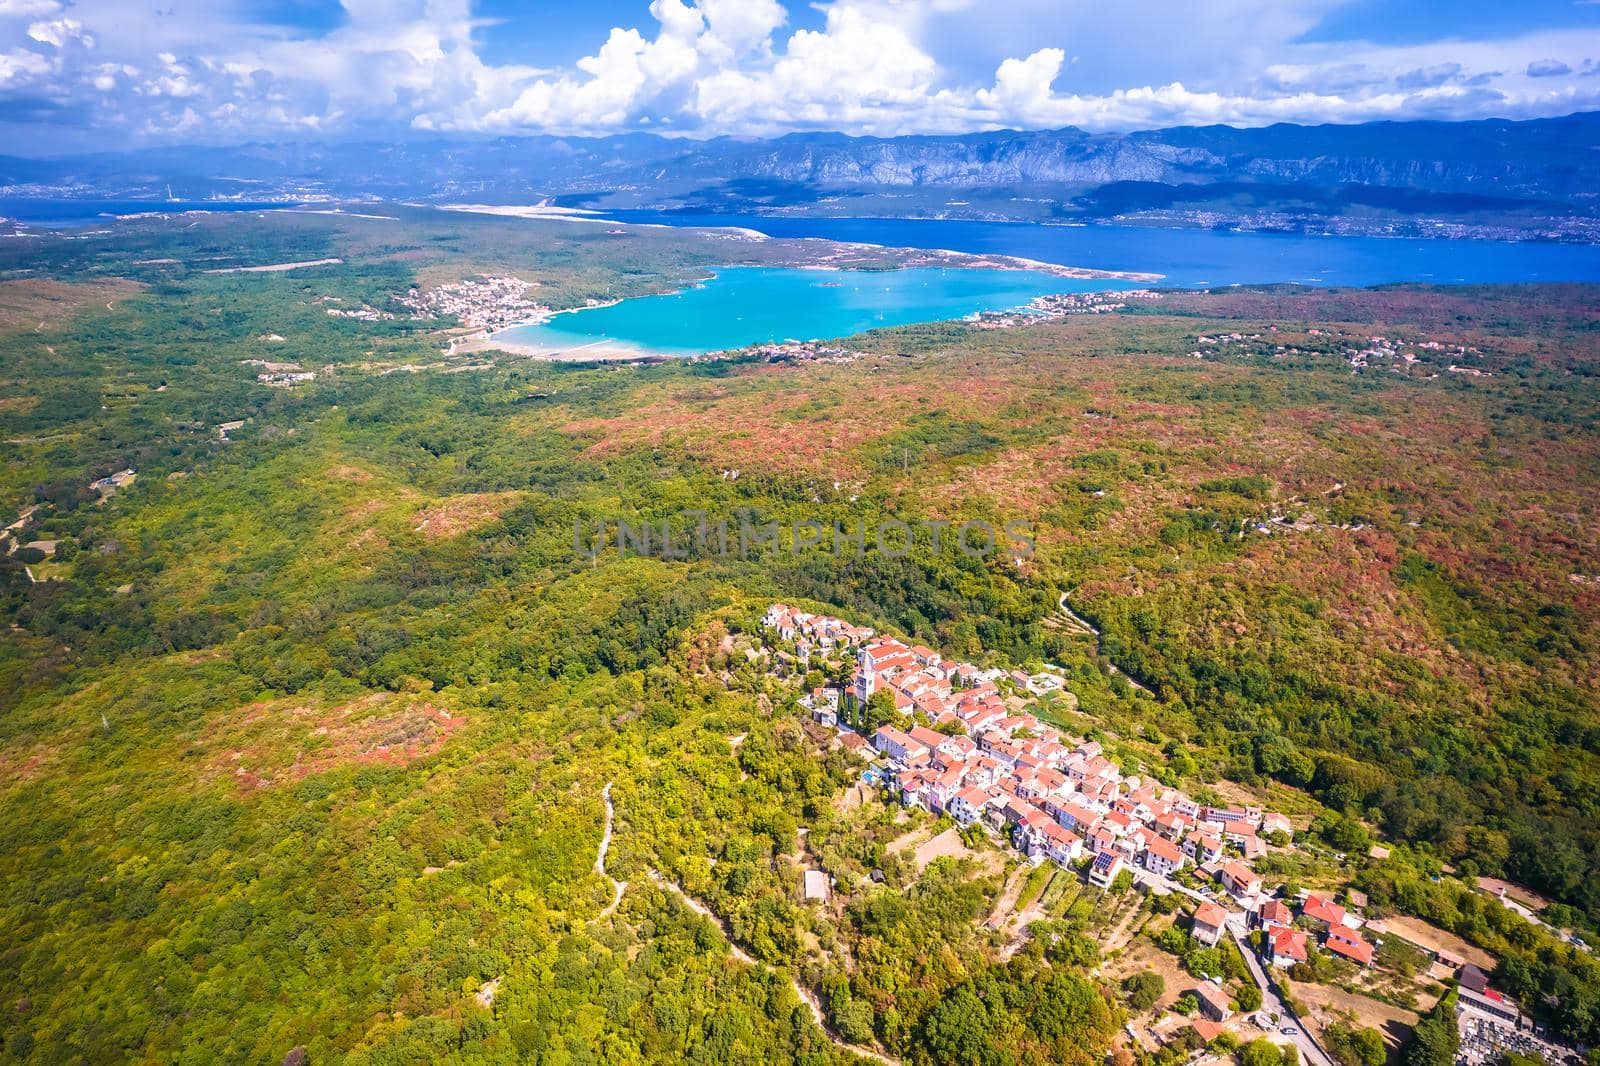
{"x":808,"y":997}
{"x":1076,"y":623}
{"x":22,"y":519}
{"x":1116,"y":936}
{"x":1026,"y":916}
{"x":700,"y":908}
{"x":1008,"y":896}
{"x":617,"y":887}
{"x":1073,"y":622}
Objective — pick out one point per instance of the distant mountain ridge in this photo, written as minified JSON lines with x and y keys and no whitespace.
{"x":1552,"y":165}
{"x":1555,"y":158}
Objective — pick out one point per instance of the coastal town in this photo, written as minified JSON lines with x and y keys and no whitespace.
{"x":788,"y":352}
{"x":964,"y":743}
{"x":483,"y":303}
{"x":1060,"y":305}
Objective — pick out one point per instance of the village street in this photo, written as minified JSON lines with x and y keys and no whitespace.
{"x":1239,"y":928}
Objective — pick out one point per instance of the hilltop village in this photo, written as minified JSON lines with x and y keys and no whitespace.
{"x":963,"y":742}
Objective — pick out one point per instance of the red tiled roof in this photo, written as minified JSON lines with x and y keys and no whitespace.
{"x":1165,"y":849}
{"x":1213,"y":995}
{"x":1356,"y":949}
{"x":1239,"y":873}
{"x":1323,"y":909}
{"x":1276,"y":911}
{"x":1290,"y":943}
{"x":1351,"y":946}
{"x":1058,"y":835}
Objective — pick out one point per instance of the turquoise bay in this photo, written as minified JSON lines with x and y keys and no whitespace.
{"x":740,"y":306}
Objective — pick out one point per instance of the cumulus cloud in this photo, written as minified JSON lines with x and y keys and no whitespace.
{"x":20,"y":66}
{"x":28,"y":8}
{"x":1429,"y":77}
{"x":59,"y":33}
{"x":704,"y":67}
{"x":856,"y":73}
{"x":1548,"y":68}
{"x":1022,"y":84}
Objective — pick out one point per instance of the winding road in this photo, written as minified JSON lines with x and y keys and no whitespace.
{"x":1082,"y":626}
{"x":617,"y":887}
{"x":808,"y":997}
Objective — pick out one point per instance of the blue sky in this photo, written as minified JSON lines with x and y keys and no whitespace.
{"x":77,"y":74}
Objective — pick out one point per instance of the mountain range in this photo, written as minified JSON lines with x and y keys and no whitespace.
{"x":1531,"y":170}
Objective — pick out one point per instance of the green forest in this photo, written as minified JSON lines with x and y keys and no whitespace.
{"x":303,"y":731}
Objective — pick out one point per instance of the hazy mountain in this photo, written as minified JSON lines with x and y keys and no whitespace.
{"x":1543,"y":159}
{"x":1549,"y":165}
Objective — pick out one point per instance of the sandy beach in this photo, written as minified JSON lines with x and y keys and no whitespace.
{"x":532,"y":211}
{"x":591,"y":352}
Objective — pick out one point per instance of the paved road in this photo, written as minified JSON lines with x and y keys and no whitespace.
{"x":1310,"y":1051}
{"x":1238,"y":928}
{"x":1516,"y":908}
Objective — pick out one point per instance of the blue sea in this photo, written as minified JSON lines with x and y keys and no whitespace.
{"x":742,"y":306}
{"x":1196,"y":258}
{"x":752,"y":305}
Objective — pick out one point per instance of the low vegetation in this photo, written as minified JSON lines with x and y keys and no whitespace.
{"x":303,"y":732}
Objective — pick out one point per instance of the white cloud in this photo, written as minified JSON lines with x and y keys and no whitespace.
{"x":1023,"y":85}
{"x":19,"y":65}
{"x":737,"y":28}
{"x":28,"y":8}
{"x":60,"y":32}
{"x":729,"y":66}
{"x":857,"y":73}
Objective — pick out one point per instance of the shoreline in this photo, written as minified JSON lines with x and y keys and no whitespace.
{"x":949,"y":257}
{"x":531,"y":212}
{"x":608,"y":351}
{"x":909,"y":254}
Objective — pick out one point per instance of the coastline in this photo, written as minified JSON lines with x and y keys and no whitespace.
{"x":908,"y":256}
{"x":493,"y":340}
{"x":949,"y":257}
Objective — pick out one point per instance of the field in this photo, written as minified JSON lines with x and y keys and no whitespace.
{"x":1328,"y":1003}
{"x":304,"y":742}
{"x":1435,"y":939}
